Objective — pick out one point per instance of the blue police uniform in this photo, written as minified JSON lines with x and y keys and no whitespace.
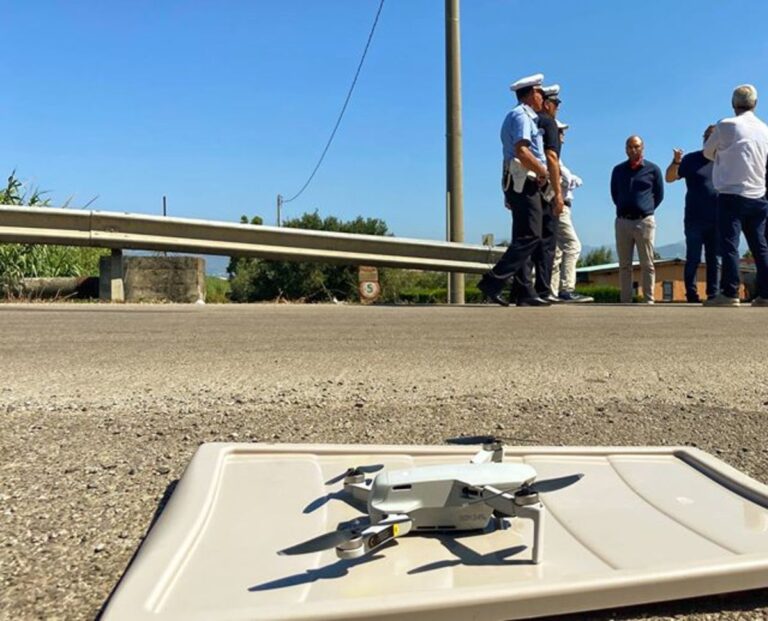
{"x":526,"y":205}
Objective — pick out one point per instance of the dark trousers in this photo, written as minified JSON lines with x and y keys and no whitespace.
{"x":527,"y":218}
{"x":698,"y":236}
{"x":542,"y":260}
{"x":748,"y":215}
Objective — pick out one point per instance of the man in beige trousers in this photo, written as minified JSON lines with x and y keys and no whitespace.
{"x":637,"y":189}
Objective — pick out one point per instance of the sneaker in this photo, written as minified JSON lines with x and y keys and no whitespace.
{"x":758,"y":301}
{"x":551,"y":299}
{"x":572,"y":297}
{"x":722,"y":300}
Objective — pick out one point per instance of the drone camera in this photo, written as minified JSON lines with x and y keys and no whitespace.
{"x":470,"y":492}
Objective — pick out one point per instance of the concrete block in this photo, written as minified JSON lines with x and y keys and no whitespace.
{"x":157,"y":279}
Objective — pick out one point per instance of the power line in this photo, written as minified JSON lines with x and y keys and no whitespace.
{"x":343,"y":108}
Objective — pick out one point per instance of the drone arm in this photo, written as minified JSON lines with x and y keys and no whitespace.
{"x":376,"y":535}
{"x":501,"y":501}
{"x":359,"y":491}
{"x":491,"y":453}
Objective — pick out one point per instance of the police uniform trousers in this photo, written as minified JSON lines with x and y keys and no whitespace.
{"x":527,"y":221}
{"x":542,"y":259}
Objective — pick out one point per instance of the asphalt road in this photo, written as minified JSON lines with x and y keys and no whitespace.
{"x":103,"y":406}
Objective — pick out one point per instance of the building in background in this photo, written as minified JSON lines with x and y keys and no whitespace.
{"x":670,"y":284}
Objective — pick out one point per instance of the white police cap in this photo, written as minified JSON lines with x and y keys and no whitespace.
{"x":551,"y":92}
{"x":561,"y":125}
{"x":532,"y":80}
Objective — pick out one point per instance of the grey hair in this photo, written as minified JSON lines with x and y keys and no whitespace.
{"x":744,"y":97}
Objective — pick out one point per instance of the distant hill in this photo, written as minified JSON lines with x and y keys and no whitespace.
{"x":668,"y":251}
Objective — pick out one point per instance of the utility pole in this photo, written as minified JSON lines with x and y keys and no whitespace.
{"x":279,"y":209}
{"x":165,"y":213}
{"x":454,"y":167}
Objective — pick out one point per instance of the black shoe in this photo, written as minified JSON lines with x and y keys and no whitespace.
{"x":533,"y":302}
{"x":490,"y":294}
{"x":551,"y":299}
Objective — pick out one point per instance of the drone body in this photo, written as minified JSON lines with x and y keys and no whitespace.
{"x":441,"y":498}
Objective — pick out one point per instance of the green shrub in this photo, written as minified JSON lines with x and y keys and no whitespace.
{"x":255,"y":280}
{"x":216,"y":290}
{"x":605,"y":294}
{"x":438,"y":295}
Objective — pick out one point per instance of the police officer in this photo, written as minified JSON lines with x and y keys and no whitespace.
{"x":544,"y":258}
{"x":524,"y":176}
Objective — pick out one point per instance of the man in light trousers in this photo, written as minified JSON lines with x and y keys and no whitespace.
{"x":568,"y":246}
{"x":637,"y":189}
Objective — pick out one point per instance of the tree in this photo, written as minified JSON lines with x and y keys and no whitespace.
{"x":260,"y":279}
{"x":597,"y":256}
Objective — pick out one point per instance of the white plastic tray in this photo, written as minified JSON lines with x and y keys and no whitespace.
{"x":643,"y":525}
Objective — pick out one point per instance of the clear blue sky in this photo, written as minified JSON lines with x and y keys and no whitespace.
{"x":223,"y":105}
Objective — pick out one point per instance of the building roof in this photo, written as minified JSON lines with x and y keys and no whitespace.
{"x":607,"y":267}
{"x":745,"y":265}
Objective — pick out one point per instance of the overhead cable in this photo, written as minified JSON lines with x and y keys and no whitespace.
{"x":343,"y":108}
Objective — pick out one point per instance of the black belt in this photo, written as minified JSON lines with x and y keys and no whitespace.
{"x":635,"y":217}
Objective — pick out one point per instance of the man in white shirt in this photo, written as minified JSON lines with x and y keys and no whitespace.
{"x":739,"y":148}
{"x":568,"y":246}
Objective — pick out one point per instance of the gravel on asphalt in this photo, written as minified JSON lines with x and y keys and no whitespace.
{"x":103,"y":406}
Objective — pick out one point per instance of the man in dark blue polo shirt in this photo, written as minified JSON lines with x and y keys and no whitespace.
{"x":700,"y":217}
{"x":637,"y":190}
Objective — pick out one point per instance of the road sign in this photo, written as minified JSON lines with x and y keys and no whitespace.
{"x":369,"y":291}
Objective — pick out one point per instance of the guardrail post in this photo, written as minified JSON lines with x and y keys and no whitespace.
{"x":116,"y":288}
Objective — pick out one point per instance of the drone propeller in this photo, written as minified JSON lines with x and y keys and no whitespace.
{"x":349,"y":531}
{"x":482,"y":439}
{"x":325,"y":541}
{"x":470,"y":440}
{"x":537,"y":487}
{"x":549,"y":485}
{"x":353,"y":471}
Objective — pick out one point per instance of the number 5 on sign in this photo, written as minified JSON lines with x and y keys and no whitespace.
{"x":369,"y":291}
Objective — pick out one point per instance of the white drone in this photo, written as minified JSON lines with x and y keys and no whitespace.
{"x":429,"y":499}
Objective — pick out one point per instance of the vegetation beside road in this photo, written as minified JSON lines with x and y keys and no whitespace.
{"x":18,"y":261}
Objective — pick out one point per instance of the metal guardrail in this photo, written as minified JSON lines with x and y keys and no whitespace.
{"x":37,"y":225}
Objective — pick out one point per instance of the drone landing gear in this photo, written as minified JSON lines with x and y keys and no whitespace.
{"x":526,"y":506}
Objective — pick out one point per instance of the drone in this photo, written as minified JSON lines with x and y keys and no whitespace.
{"x":446,"y":499}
